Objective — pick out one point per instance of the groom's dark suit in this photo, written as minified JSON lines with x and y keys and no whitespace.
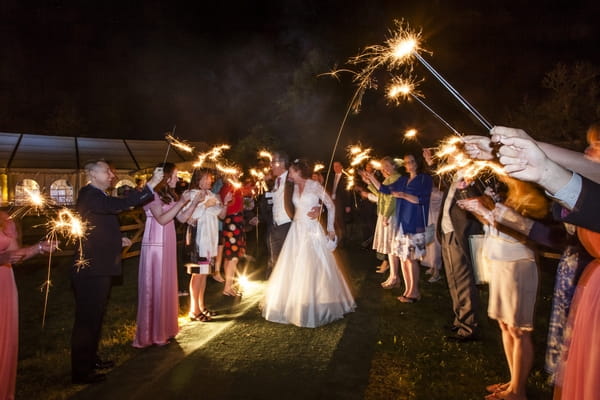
{"x":101,"y":249}
{"x":276,"y":233}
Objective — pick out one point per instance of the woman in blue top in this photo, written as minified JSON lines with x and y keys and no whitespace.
{"x":412,"y":193}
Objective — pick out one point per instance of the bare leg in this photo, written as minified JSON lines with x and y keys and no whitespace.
{"x":194,"y":294}
{"x":230,"y":271}
{"x":522,"y":361}
{"x":201,"y":289}
{"x":392,"y":280}
{"x":410,"y":272}
{"x":217,"y":274}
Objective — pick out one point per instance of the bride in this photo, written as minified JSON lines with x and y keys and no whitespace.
{"x":306,"y":287}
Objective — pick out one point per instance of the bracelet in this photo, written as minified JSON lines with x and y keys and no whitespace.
{"x":40,"y":247}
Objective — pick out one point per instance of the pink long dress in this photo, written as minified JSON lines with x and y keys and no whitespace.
{"x":158,"y":303}
{"x":9,"y":317}
{"x":580,"y":372}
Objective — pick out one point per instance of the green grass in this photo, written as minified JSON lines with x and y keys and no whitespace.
{"x":386,"y":350}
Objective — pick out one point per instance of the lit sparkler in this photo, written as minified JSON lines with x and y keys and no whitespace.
{"x":357,"y":155}
{"x":453,"y":158}
{"x":318,"y":167}
{"x":71,"y":227}
{"x":404,"y":45}
{"x":265,"y":154}
{"x":406,"y":89}
{"x":35,"y":202}
{"x":213,"y":154}
{"x":173,"y":141}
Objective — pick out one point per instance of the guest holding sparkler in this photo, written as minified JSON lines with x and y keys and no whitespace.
{"x":233,"y":235}
{"x":525,"y":159}
{"x":513,"y":276}
{"x":454,"y":227}
{"x":11,"y":253}
{"x":412,"y":194}
{"x":386,"y":219}
{"x":202,"y":238}
{"x":158,"y":303}
{"x":101,"y":250}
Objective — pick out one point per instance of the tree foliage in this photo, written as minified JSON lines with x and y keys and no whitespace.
{"x":570,"y":104}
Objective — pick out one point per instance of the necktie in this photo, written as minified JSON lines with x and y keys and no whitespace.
{"x":277,"y":183}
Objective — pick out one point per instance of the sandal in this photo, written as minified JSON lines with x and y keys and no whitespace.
{"x":209,"y":313}
{"x":406,"y":299}
{"x":390,"y":284}
{"x":497,"y":387}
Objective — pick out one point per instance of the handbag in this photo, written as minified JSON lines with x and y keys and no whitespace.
{"x":429,"y":229}
{"x":479,"y":268}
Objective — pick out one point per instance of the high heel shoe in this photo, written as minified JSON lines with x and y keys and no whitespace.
{"x":391,"y":284}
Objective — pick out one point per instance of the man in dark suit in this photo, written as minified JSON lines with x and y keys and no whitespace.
{"x":336,"y":188}
{"x":455,"y":225}
{"x":101,"y":249}
{"x":281,"y":211}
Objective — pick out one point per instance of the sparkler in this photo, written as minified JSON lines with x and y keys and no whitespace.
{"x":71,"y":227}
{"x":401,"y":88}
{"x":265,"y":154}
{"x":454,"y":158}
{"x":178,"y":143}
{"x":213,"y":154}
{"x":318,"y":167}
{"x":403,"y":45}
{"x":167,"y":136}
{"x":357,"y":155}
{"x":35,"y":202}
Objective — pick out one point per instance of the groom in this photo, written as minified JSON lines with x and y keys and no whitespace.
{"x":282,"y":208}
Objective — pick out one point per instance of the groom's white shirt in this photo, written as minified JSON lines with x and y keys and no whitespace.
{"x":280,"y":216}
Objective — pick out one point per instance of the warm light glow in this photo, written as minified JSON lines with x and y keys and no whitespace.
{"x":375,"y":164}
{"x":318,"y":167}
{"x":178,"y":143}
{"x":411,"y":133}
{"x":265,"y":154}
{"x":402,"y":48}
{"x":453,"y":159}
{"x":228,"y":170}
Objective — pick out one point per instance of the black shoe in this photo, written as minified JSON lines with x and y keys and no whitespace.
{"x":461,"y":338}
{"x":99,"y":364}
{"x":452,"y":328}
{"x":91,"y":378}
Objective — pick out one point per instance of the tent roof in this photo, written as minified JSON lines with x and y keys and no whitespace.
{"x":22,"y":150}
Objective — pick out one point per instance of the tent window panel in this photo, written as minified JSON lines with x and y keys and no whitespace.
{"x":61,"y":192}
{"x":25,"y":190}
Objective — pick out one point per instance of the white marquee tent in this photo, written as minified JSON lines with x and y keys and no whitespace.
{"x":58,"y":161}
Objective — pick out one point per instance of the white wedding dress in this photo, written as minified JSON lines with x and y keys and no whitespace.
{"x":306,"y":287}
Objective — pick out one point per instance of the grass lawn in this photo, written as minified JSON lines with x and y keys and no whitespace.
{"x":385,"y":350}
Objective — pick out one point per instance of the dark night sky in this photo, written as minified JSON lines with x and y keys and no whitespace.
{"x":221,"y":70}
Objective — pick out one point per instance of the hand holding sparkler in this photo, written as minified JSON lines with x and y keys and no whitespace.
{"x":523,"y":159}
{"x":479,"y":147}
{"x":157,"y":177}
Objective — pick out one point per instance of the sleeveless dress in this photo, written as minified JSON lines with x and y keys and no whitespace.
{"x":578,"y":377}
{"x":9,"y":317}
{"x":158,"y":302}
{"x":306,"y":287}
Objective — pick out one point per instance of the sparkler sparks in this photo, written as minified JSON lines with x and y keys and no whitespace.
{"x":173,"y":141}
{"x":357,"y":155}
{"x":265,"y":154}
{"x":213,"y":154}
{"x":453,"y":158}
{"x":318,"y":167}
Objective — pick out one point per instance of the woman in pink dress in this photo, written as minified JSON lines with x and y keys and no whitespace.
{"x":10,"y":253}
{"x":158,"y":303}
{"x":578,"y":375}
